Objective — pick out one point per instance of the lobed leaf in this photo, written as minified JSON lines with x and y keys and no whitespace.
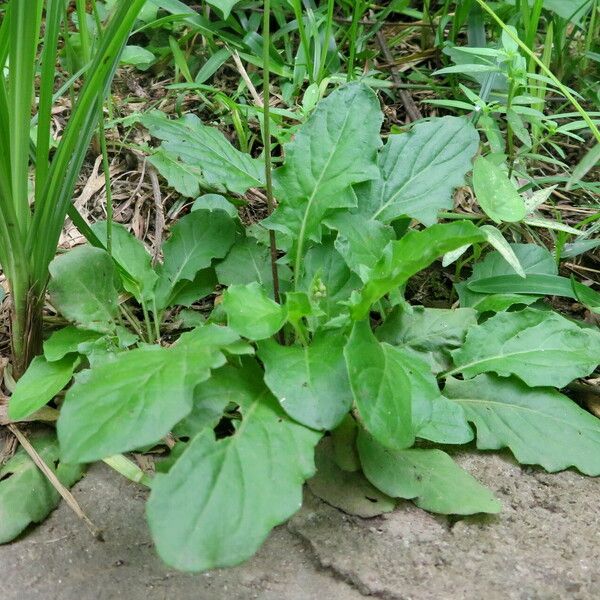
{"x":540,"y":347}
{"x":336,"y":147}
{"x":540,"y":426}
{"x":420,"y":170}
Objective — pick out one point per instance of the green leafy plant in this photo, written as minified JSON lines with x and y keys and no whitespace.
{"x":343,"y":358}
{"x":31,"y":224}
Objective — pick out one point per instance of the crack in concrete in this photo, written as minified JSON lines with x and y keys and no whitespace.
{"x":347,"y":577}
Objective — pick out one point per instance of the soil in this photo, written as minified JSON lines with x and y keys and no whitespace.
{"x":543,"y":546}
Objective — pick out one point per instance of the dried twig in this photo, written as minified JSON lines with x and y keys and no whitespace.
{"x":244,"y":74}
{"x":414,"y":114}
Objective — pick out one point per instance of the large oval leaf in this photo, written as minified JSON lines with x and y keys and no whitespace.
{"x":380,"y":387}
{"x":540,"y":347}
{"x":336,"y":147}
{"x":137,"y":398}
{"x":420,"y":170}
{"x":310,"y":382}
{"x":219,"y":501}
{"x":540,"y":426}
{"x":429,"y":477}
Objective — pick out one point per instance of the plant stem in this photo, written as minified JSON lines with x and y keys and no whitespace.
{"x":297,"y":4}
{"x":267,"y":141}
{"x":328,"y":27}
{"x":107,"y":184}
{"x":564,"y":90}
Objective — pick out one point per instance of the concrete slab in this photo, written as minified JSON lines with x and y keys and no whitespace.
{"x":544,"y":546}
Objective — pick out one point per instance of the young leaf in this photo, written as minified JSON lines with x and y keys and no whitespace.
{"x":207,"y":150}
{"x":404,"y":258}
{"x":26,"y":495}
{"x":348,"y":491}
{"x":540,"y":426}
{"x":429,"y":477}
{"x":336,"y":147}
{"x":66,"y":341}
{"x":540,"y":347}
{"x":496,"y":239}
{"x":496,"y":193}
{"x":430,"y":332}
{"x":420,"y":170}
{"x":380,"y":387}
{"x":82,"y":288}
{"x":310,"y":382}
{"x":361,"y":242}
{"x":130,"y":254}
{"x":251,"y":312}
{"x":195,"y":241}
{"x":242,"y":486}
{"x":135,"y":399}
{"x":40,"y":383}
{"x":327,"y":279}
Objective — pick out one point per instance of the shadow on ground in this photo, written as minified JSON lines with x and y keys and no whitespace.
{"x":543,"y":546}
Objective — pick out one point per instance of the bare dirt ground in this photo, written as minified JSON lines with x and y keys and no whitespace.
{"x":543,"y":546}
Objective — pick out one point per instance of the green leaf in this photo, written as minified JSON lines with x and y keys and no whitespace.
{"x":251,"y":312}
{"x":184,"y":178}
{"x":534,"y":260}
{"x":39,"y":384}
{"x":404,"y":258}
{"x":538,"y":285}
{"x":420,"y":170}
{"x":195,"y":241}
{"x":348,"y":491}
{"x":431,"y":332}
{"x":429,"y":477}
{"x":242,"y":486}
{"x":82,"y":288}
{"x":185,"y":293}
{"x":135,"y":399}
{"x":310,"y":382}
{"x":380,"y":387}
{"x":207,"y":150}
{"x":434,"y":417}
{"x":225,"y":6}
{"x":227,"y":386}
{"x":26,"y":496}
{"x":327,"y":279}
{"x":540,"y":426}
{"x":496,"y":194}
{"x":131,"y":255}
{"x":496,"y":239}
{"x":137,"y":56}
{"x":249,"y":261}
{"x":66,"y":341}
{"x":540,"y":347}
{"x":336,"y":147}
{"x":361,"y":242}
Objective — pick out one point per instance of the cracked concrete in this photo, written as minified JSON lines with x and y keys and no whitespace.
{"x":543,"y":546}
